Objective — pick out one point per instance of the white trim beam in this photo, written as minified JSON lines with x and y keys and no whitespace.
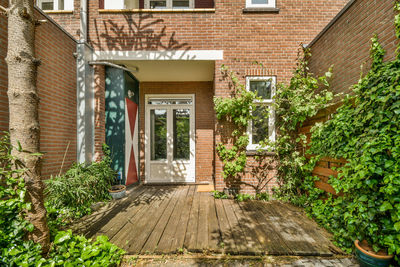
{"x":160,"y":55}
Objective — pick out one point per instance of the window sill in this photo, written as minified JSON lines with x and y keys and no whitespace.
{"x":251,"y":152}
{"x":186,"y":10}
{"x":260,"y":10}
{"x":58,"y":11}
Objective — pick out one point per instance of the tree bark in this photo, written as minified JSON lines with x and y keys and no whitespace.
{"x":23,"y":109}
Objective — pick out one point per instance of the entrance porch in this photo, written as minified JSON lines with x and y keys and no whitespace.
{"x":174,"y":219}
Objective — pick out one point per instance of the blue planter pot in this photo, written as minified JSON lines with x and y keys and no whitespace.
{"x":370,"y":259}
{"x":117,"y":191}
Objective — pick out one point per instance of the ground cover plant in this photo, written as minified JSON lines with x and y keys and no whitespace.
{"x":66,"y":249}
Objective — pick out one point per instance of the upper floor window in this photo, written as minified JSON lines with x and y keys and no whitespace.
{"x":262,"y":127}
{"x":260,"y":3}
{"x":55,"y":4}
{"x":168,"y":4}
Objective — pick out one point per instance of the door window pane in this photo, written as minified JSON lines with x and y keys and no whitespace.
{"x":156,"y":101}
{"x":180,"y":3}
{"x":263,"y":88}
{"x":260,"y":125}
{"x":181,"y":128}
{"x":158,"y":134}
{"x":158,"y":4}
{"x":259,"y":2}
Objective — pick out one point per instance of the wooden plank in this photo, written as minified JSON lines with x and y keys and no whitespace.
{"x":179,"y":237}
{"x":291,"y":233}
{"x":311,"y":228}
{"x":248,"y":227}
{"x":89,"y":225}
{"x":326,"y":187}
{"x":123,"y":237}
{"x":165,"y":244}
{"x":152,"y":242}
{"x":143,"y":225}
{"x":202,"y":229}
{"x":324,"y":171}
{"x":227,"y":240}
{"x":214,"y":235}
{"x":117,"y":222}
{"x":190,"y":241}
{"x":270,"y":240}
{"x":236,"y":230}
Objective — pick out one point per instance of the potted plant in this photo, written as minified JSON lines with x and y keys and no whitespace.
{"x":118,"y":190}
{"x":367,"y":257}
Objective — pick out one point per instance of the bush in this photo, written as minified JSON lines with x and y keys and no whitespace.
{"x":16,"y":250}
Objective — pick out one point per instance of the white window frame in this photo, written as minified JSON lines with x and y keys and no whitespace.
{"x":271,"y":4}
{"x":169,"y":5}
{"x":266,"y":102}
{"x":68,"y":4}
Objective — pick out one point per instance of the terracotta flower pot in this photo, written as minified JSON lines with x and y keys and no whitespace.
{"x":367,"y":257}
{"x":117,"y":191}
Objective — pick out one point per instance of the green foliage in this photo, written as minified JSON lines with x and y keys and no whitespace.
{"x":219,"y":195}
{"x":69,"y":196}
{"x":16,"y":250}
{"x":244,"y":197}
{"x":366,"y":132}
{"x":262,"y":196}
{"x":302,"y":99}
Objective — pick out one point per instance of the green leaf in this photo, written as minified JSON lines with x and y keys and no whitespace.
{"x":62,"y":236}
{"x":386,"y":206}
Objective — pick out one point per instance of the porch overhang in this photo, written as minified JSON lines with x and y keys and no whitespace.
{"x":160,"y":55}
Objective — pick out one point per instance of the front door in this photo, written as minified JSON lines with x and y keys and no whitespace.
{"x":169,"y":139}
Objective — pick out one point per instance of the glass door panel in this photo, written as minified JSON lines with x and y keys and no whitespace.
{"x":158,"y":134}
{"x":181,"y":134}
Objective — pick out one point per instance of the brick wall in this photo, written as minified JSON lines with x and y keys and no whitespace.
{"x":204,"y":124}
{"x":270,"y":38}
{"x":345,"y":44}
{"x":56,"y":82}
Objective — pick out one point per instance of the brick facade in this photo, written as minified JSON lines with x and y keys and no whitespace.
{"x":56,"y":83}
{"x":345,"y":44}
{"x":271,"y":38}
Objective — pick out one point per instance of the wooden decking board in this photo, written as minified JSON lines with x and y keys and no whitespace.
{"x":214,"y":234}
{"x":115,"y":224}
{"x":179,"y":237}
{"x":152,"y":242}
{"x":190,"y":241}
{"x":271,"y":241}
{"x":144,"y":225}
{"x":289,"y":233}
{"x":309,"y":228}
{"x":165,"y":219}
{"x":227,"y":240}
{"x":202,"y":228}
{"x":89,"y":225}
{"x":248,"y":228}
{"x":164,"y":245}
{"x":237,"y":233}
{"x":122,"y":237}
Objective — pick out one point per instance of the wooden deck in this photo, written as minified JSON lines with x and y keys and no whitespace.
{"x":171,"y":219}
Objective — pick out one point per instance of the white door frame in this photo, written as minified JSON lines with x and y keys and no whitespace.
{"x":191,"y":175}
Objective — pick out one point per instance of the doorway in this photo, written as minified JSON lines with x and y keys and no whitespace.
{"x":169,"y":139}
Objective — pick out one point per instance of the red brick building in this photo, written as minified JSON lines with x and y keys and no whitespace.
{"x":147,"y":72}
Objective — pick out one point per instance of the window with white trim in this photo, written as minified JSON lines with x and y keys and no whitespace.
{"x":55,"y":4}
{"x":168,"y":4}
{"x":260,"y":3}
{"x":262,"y":127}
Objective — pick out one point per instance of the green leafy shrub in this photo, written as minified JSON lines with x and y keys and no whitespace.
{"x":366,"y":132}
{"x":244,"y":197}
{"x":69,"y":196}
{"x":16,"y":250}
{"x":219,"y":195}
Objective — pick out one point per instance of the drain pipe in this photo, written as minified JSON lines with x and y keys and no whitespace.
{"x":85,"y":92}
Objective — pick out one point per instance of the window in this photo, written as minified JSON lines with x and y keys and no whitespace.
{"x":56,"y":4}
{"x":263,"y":125}
{"x":260,"y":3}
{"x":168,"y":4}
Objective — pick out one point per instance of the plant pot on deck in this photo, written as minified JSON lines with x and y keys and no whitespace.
{"x":117,"y":191}
{"x":367,"y":257}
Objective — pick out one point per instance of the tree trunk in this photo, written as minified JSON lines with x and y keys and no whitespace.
{"x":23,"y":109}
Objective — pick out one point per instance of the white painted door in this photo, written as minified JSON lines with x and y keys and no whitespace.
{"x":169,"y":139}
